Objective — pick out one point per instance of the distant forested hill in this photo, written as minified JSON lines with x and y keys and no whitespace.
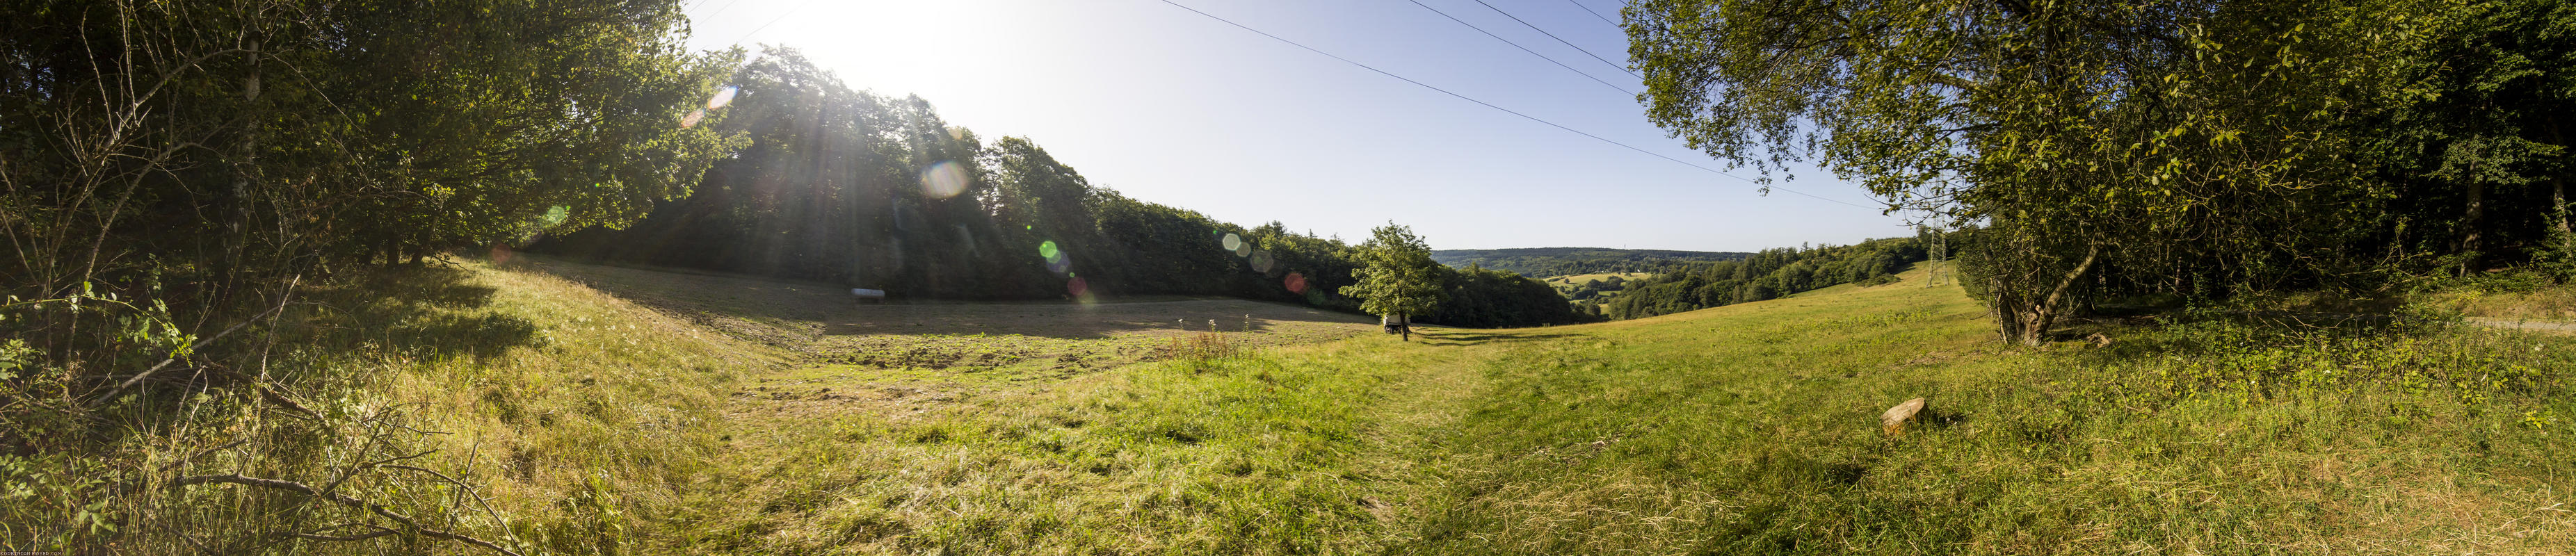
{"x":1560,"y":261}
{"x":835,"y":184}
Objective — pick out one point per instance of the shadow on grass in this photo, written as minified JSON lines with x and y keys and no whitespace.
{"x":1075,"y":320}
{"x":803,"y":310}
{"x":424,"y":312}
{"x":1459,"y":337}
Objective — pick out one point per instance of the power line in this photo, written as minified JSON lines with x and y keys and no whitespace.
{"x":1588,"y":9}
{"x":1518,"y":45}
{"x":1559,"y":39}
{"x":1491,"y":105}
{"x":773,"y":21}
{"x":721,"y":9}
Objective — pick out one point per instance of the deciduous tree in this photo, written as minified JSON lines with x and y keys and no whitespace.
{"x":1397,"y":278}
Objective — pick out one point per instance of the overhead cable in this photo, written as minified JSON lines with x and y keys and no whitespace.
{"x":1491,"y":105}
{"x":1588,"y":9}
{"x":1518,"y":45}
{"x":1560,"y":39}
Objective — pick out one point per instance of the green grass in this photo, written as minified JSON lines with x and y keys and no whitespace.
{"x":1752,"y":429}
{"x":1245,"y":455}
{"x":1745,"y":429}
{"x":628,"y":424}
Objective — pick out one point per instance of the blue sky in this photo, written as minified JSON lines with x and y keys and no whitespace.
{"x":1171,"y":107}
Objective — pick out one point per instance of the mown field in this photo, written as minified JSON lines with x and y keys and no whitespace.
{"x":635,"y":411}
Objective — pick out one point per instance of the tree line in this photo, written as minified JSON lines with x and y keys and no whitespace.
{"x":2196,"y":149}
{"x":842,"y":185}
{"x":169,"y":170}
{"x":1766,"y":275}
{"x":1568,"y":261}
{"x":173,"y":175}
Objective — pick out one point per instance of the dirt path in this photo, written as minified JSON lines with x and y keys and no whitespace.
{"x":2542,"y":325}
{"x":2489,"y":322}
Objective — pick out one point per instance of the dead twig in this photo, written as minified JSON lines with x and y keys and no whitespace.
{"x":300,"y":488}
{"x":201,"y":344}
{"x":200,"y":454}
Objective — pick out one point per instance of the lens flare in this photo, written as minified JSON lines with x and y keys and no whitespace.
{"x":1232,"y":243}
{"x":1244,"y":251}
{"x":943,"y":179}
{"x":1057,"y":260}
{"x":724,"y":96}
{"x":1076,"y":287}
{"x":1261,"y":261}
{"x":1296,"y":283}
{"x":693,"y":118}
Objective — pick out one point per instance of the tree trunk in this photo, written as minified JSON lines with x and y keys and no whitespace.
{"x":2470,"y":243}
{"x":2558,"y":209}
{"x":235,"y":241}
{"x":2558,"y":195}
{"x":2028,"y":324}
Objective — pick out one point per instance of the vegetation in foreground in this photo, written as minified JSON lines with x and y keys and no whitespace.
{"x":592,"y":425}
{"x":284,"y":152}
{"x":2167,"y":148}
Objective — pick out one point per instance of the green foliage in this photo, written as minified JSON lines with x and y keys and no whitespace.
{"x":2557,"y":256}
{"x":1766,"y":275}
{"x":1482,"y":298}
{"x":1753,"y":429}
{"x":2218,"y":354}
{"x":845,"y":186}
{"x":2475,"y":143}
{"x":1569,"y":261}
{"x":178,"y":173}
{"x":2188,"y":148}
{"x":1396,"y":277}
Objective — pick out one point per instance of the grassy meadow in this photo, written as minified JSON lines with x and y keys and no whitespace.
{"x":606,"y":410}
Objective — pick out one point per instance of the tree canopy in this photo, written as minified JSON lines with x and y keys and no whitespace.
{"x":2194,"y":148}
{"x":222,"y":149}
{"x":1396,"y":275}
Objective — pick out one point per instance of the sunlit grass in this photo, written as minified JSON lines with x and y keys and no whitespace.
{"x":599,"y":425}
{"x":1752,"y":429}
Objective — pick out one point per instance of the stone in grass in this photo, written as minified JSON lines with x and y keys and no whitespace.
{"x":1895,"y":419}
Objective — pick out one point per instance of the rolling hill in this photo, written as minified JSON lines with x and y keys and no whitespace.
{"x":597,"y":406}
{"x":1540,"y":262}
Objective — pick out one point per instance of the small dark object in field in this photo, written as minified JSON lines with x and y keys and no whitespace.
{"x":2099,"y":340}
{"x":1894,"y":420}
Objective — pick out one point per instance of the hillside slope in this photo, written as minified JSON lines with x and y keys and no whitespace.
{"x":621,"y":420}
{"x":1753,"y":429}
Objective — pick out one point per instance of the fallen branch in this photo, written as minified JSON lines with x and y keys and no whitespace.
{"x":380,"y":531}
{"x":345,"y":500}
{"x":201,"y":344}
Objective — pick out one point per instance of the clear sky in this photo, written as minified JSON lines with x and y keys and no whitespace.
{"x":1171,"y":107}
